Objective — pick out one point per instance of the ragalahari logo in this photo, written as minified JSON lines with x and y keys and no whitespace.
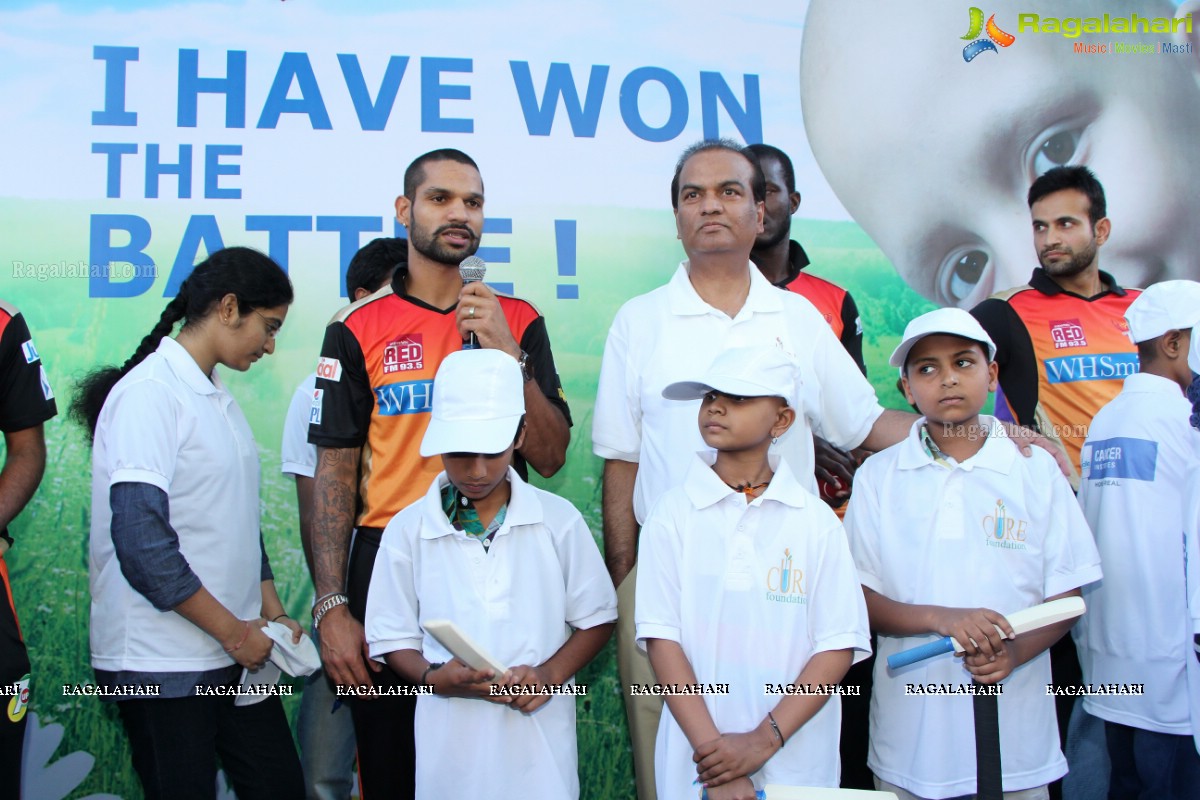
{"x":995,"y":36}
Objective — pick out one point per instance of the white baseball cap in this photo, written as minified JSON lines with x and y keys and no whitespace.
{"x":764,"y":371}
{"x":952,"y":321}
{"x":478,"y":399}
{"x":1165,"y":306}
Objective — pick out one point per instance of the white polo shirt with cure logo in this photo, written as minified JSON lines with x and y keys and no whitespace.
{"x":751,"y":592}
{"x":998,"y":531}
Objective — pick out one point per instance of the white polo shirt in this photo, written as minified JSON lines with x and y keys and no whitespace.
{"x":998,"y":531}
{"x":1192,"y":531}
{"x":542,"y":576}
{"x":298,"y":456}
{"x":166,"y":424}
{"x":671,"y":334}
{"x":750,"y":591}
{"x":1139,"y":456}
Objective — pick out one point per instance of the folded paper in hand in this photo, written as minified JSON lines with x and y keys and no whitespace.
{"x":294,"y":659}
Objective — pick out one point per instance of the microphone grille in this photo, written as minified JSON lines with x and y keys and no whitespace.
{"x":471,"y":269}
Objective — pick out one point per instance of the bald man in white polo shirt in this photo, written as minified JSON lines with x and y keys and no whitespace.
{"x":715,"y":300}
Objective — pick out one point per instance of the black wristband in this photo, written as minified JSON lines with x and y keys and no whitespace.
{"x":429,"y":669}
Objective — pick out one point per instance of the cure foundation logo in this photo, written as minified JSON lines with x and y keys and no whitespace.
{"x":1002,"y":529}
{"x":995,"y":36}
{"x":785,"y":583}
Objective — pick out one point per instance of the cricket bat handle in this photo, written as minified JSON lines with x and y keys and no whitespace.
{"x":914,"y":654}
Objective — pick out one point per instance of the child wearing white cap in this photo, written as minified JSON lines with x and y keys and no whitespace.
{"x":1139,"y":468}
{"x":517,"y":569}
{"x":747,"y":601}
{"x":948,"y":528}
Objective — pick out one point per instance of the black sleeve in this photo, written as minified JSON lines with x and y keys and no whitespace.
{"x":536,"y":342}
{"x":341,"y":412}
{"x":1014,"y":355}
{"x":264,"y":569}
{"x":852,"y":333}
{"x":26,"y":400}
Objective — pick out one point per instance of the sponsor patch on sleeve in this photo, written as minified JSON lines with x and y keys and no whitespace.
{"x":47,"y":392}
{"x":330,"y":369}
{"x":314,"y":411}
{"x":1119,"y":457}
{"x":31,"y":353}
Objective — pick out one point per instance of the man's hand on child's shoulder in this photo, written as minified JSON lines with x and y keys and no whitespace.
{"x":1024,"y":438}
{"x":733,"y":755}
{"x":456,"y":679}
{"x":974,"y":629}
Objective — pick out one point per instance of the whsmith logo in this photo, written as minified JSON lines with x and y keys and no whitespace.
{"x":1074,"y":27}
{"x":1069,"y":369}
{"x":413,"y":397}
{"x":995,"y":36}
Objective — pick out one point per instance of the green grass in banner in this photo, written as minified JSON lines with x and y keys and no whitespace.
{"x":619,"y":254}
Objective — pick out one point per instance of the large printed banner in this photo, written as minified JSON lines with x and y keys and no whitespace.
{"x":140,"y":137}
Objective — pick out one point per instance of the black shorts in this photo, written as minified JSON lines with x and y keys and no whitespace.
{"x":14,"y":683}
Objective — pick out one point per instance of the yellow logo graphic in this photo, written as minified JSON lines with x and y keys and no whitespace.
{"x":18,"y":704}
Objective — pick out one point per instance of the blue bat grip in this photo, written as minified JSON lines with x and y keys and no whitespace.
{"x":759,"y":794}
{"x":914,"y":654}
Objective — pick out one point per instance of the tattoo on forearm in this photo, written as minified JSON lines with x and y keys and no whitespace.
{"x":333,"y":518}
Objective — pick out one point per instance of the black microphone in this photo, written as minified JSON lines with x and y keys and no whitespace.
{"x":471,"y":269}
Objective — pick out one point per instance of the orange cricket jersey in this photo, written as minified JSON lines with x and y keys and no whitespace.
{"x":826,"y":296}
{"x":375,"y":389}
{"x":1083,"y":354}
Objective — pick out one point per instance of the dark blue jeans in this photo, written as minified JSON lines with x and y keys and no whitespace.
{"x":176,"y":743}
{"x":1151,"y":766}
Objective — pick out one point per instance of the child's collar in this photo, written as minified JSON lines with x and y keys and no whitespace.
{"x":705,"y":488}
{"x":524,"y":507}
{"x":997,"y":453}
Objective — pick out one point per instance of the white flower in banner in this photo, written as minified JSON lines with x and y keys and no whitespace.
{"x":43,"y":780}
{"x":224,"y":787}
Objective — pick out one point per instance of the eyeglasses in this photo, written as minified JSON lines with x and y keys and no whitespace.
{"x":273,"y":325}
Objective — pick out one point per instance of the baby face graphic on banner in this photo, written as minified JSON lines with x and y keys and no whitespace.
{"x":933,"y":156}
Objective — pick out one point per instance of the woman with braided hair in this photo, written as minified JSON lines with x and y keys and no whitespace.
{"x":180,"y":582}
